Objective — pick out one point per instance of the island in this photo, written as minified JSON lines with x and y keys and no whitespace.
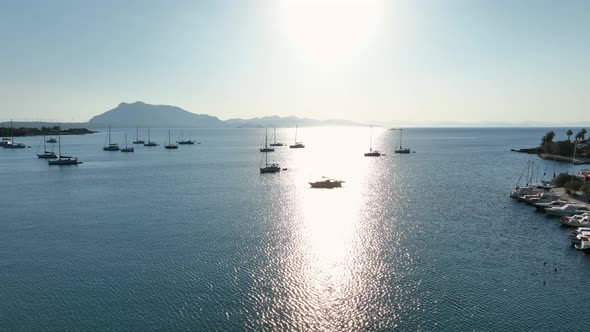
{"x":576,"y":151}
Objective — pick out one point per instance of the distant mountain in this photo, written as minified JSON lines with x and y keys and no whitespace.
{"x":40,"y":124}
{"x":289,"y":121}
{"x":140,"y":114}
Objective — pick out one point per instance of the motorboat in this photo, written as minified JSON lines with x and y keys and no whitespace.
{"x":518,"y":191}
{"x":51,"y":140}
{"x":577,"y":235}
{"x":584,"y":244}
{"x":569,"y":209}
{"x":540,"y":198}
{"x":556,"y":203}
{"x":327,"y":183}
{"x":6,"y":141}
{"x":578,"y":220}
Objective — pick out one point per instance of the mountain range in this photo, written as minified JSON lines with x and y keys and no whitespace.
{"x":140,"y":114}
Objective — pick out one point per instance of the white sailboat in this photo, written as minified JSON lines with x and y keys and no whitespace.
{"x":111,"y":146}
{"x":149,"y":142}
{"x":137,"y":140}
{"x":265,"y":148}
{"x":46,"y":154}
{"x":126,"y":148}
{"x":268,"y":168}
{"x":170,"y":145}
{"x":182,"y":141}
{"x":274,"y":136}
{"x":401,"y":149}
{"x":63,"y":160}
{"x":297,"y":145}
{"x":372,"y":153}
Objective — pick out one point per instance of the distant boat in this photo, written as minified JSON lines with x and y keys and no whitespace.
{"x":297,"y":145}
{"x":268,"y":168}
{"x":182,"y":141}
{"x":274,"y":136}
{"x":51,"y":140}
{"x":149,"y":142}
{"x":265,"y":148}
{"x":401,"y":149}
{"x":327,"y":183}
{"x":10,"y":143}
{"x":46,"y":154}
{"x":111,"y":146}
{"x":126,"y":148}
{"x":170,"y":145}
{"x":6,"y":141}
{"x":137,"y":140}
{"x":372,"y":153}
{"x":63,"y":160}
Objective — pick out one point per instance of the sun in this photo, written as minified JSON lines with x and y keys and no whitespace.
{"x":329,"y":30}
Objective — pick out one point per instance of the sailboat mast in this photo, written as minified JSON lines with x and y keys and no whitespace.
{"x":44,"y":147}
{"x":401,"y":136}
{"x":137,"y":134}
{"x":59,"y":142}
{"x":109,"y":135}
{"x":371,"y":140}
{"x":295,"y":134}
{"x":266,"y":138}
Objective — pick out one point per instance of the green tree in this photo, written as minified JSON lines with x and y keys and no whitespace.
{"x":569,"y":133}
{"x":581,"y":135}
{"x":548,"y":138}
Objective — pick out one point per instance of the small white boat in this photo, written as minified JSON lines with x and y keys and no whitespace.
{"x":584,"y":244}
{"x":578,"y":220}
{"x":327,"y":183}
{"x":556,"y":203}
{"x":566,"y":210}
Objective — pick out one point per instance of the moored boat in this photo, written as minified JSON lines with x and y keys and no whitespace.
{"x":327,"y":183}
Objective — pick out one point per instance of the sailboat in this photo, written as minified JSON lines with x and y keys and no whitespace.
{"x":111,"y":146}
{"x":265,"y":148}
{"x":46,"y":154}
{"x":137,"y":140}
{"x":149,"y":142}
{"x":372,"y":153}
{"x":401,"y":149}
{"x":10,"y":143}
{"x":274,"y":135}
{"x":297,"y":145}
{"x":126,"y":148}
{"x":183,"y":141}
{"x":63,"y":160}
{"x":170,"y":145}
{"x":268,"y":168}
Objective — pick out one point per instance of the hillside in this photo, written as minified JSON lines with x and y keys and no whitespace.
{"x":140,"y":114}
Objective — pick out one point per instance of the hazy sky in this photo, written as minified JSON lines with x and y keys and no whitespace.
{"x":362,"y":60}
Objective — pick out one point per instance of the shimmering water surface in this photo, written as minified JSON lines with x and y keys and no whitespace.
{"x":198,"y":239}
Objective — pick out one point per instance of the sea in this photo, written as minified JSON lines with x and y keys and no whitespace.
{"x":196,"y":239}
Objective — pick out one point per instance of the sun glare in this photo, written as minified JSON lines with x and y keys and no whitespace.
{"x":329,"y":30}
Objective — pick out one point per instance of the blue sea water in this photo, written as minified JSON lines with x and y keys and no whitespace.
{"x":197,"y":239}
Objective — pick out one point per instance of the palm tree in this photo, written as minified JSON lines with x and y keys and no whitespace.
{"x":569,"y":133}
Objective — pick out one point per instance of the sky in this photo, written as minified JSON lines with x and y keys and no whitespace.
{"x":360,"y":60}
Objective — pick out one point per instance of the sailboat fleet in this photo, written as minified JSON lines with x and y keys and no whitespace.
{"x":265,"y":166}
